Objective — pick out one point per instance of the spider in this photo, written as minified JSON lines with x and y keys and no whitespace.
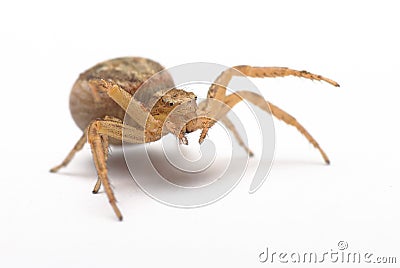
{"x":101,"y":96}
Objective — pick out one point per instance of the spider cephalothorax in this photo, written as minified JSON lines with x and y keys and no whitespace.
{"x":175,"y":104}
{"x":103,"y":95}
{"x":174,"y":110}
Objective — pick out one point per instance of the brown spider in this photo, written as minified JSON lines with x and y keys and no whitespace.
{"x":101,"y":96}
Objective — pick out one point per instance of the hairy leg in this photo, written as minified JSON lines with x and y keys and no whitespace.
{"x":132,"y":107}
{"x":78,"y":146}
{"x":225,"y":120}
{"x":104,"y":142}
{"x":94,"y":138}
{"x":259,"y":101}
{"x":97,"y":134}
{"x":218,"y":88}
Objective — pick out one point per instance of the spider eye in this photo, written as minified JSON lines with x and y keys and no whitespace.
{"x":195,"y":98}
{"x":171,"y":104}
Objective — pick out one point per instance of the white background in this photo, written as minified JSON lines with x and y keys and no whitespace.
{"x":50,"y":220}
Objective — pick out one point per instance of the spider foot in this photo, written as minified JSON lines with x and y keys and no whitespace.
{"x":203,"y":135}
{"x":183,"y":139}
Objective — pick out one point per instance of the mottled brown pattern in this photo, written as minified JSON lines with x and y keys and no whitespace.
{"x":87,"y":102}
{"x":102,"y":96}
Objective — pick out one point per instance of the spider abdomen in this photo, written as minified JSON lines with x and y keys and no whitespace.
{"x":87,"y":102}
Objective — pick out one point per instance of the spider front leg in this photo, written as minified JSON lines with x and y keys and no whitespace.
{"x":211,"y":111}
{"x":98,"y":132}
{"x":78,"y":146}
{"x":104,"y":142}
{"x":135,"y":109}
{"x":218,"y":88}
{"x":225,"y":120}
{"x":95,"y":140}
{"x":217,"y":91}
{"x":268,"y":107}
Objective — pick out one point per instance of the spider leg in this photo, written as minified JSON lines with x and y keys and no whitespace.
{"x":78,"y":146}
{"x":95,"y":140}
{"x":135,"y":109}
{"x":98,"y":133}
{"x":225,"y":120}
{"x":280,"y":72}
{"x":218,"y":89}
{"x":104,"y":142}
{"x":259,"y":101}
